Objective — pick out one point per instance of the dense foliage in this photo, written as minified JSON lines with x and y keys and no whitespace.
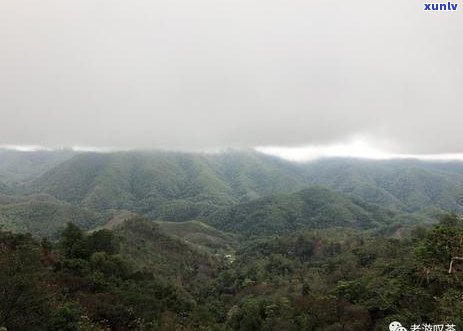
{"x":46,"y":218}
{"x":84,"y":283}
{"x":310,"y":280}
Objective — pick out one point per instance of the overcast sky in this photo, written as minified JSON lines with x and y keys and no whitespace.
{"x":209,"y":74}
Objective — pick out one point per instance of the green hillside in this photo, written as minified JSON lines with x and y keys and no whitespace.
{"x":407,"y":185}
{"x":116,"y":219}
{"x":4,"y":187}
{"x":149,"y":248}
{"x":172,"y":186}
{"x":199,"y":234}
{"x":185,"y":186}
{"x":17,"y":167}
{"x":38,"y":197}
{"x":314,"y":207}
{"x":252,"y":175}
{"x":45,"y":218}
{"x":169,"y":186}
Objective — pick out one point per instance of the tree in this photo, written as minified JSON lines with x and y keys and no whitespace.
{"x":73,"y":243}
{"x":102,"y":241}
{"x":24,"y":300}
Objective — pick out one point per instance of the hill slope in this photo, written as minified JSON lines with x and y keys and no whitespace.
{"x":17,"y":167}
{"x":45,"y":217}
{"x":406,"y":185}
{"x":170,"y":186}
{"x":148,"y":247}
{"x":315,"y":207}
{"x":199,"y":234}
{"x":187,"y":186}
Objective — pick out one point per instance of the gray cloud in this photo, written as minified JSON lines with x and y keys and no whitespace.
{"x":182,"y":74}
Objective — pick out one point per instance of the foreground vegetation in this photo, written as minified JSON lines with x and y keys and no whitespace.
{"x":137,"y":277}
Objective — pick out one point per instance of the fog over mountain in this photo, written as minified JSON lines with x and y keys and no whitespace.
{"x":209,"y":74}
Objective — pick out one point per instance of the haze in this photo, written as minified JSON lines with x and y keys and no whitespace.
{"x":211,"y":74}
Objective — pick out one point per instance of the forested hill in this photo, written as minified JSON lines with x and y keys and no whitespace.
{"x":409,"y":185}
{"x":192,"y":184}
{"x":313,"y":208}
{"x":169,"y":186}
{"x":174,"y":186}
{"x":17,"y":167}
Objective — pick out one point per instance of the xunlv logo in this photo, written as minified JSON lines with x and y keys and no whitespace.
{"x":441,"y":6}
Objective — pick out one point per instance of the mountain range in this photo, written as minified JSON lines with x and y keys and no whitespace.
{"x":237,"y":191}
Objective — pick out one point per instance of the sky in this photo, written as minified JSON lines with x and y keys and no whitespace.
{"x":293,"y":78}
